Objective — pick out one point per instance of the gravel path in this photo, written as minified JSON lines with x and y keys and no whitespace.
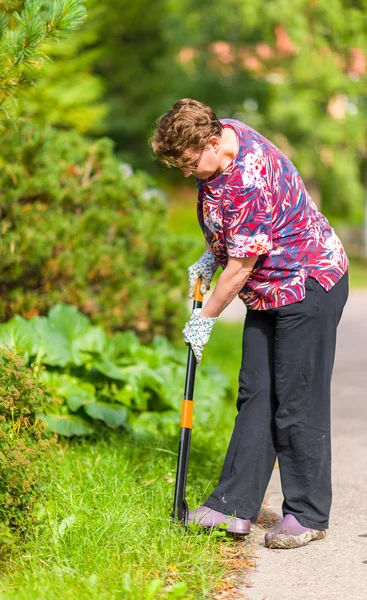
{"x":334,"y":568}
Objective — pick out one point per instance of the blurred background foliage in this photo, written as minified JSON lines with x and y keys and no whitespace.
{"x":294,"y":70}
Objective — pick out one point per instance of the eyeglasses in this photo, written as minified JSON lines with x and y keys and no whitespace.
{"x":194,"y":166}
{"x":189,"y":166}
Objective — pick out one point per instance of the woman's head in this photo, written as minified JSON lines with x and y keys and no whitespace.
{"x":188,"y":137}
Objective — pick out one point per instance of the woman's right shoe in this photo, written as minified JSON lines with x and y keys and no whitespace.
{"x":207,"y":517}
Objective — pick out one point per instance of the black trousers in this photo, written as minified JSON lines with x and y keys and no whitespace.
{"x":284,"y":409}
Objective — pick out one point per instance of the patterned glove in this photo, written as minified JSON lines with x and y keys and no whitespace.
{"x":205,"y":268}
{"x":197,"y":332}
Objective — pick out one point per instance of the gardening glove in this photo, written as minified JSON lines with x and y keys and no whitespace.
{"x":205,"y":268}
{"x":197,"y":332}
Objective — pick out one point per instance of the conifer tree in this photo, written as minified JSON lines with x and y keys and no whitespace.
{"x":24,"y":28}
{"x":70,"y":92}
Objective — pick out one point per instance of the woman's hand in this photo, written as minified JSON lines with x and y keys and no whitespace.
{"x":205,"y":268}
{"x":197,"y":332}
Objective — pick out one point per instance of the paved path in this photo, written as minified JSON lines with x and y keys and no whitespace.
{"x":335,"y":568}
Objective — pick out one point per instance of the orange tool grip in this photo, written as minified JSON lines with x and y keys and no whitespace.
{"x":186,"y":414}
{"x":198,"y":296}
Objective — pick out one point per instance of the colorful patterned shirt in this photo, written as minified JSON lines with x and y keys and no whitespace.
{"x":259,"y":206}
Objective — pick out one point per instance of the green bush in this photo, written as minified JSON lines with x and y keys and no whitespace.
{"x":109,"y":381}
{"x":24,"y":442}
{"x":80,"y":228}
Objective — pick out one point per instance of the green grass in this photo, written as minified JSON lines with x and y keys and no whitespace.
{"x":182,"y":217}
{"x":225,"y":349}
{"x":183,"y":220}
{"x":357,"y":273}
{"x":107,"y":531}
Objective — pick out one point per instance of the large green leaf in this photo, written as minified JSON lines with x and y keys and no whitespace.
{"x":76,"y":392}
{"x":140,"y":397}
{"x":126,"y":348}
{"x":20,"y":336}
{"x":93,"y":340}
{"x":68,"y":320}
{"x":149,"y":422}
{"x":140,"y":372}
{"x":121,"y":345}
{"x":139,"y":379}
{"x":124,"y":395}
{"x":172,"y":380}
{"x":53,"y":345}
{"x":79,"y":395}
{"x":113,"y":415}
{"x":146,"y":355}
{"x":111,"y":370}
{"x":68,"y":425}
{"x":144,"y":381}
{"x":80,"y":337}
{"x":166,"y":352}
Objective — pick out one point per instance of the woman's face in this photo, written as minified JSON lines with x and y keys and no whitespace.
{"x":205,"y":163}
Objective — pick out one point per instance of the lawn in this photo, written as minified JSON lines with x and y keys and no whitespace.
{"x":106,"y":530}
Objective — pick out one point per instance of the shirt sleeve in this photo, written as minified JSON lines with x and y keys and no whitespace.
{"x":248,"y":223}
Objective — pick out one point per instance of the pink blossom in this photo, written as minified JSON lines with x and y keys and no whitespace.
{"x":186,"y":54}
{"x":337,"y":106}
{"x":264,"y":51}
{"x":224,"y":52}
{"x":252,"y":63}
{"x":357,"y":62}
{"x":284,"y":43}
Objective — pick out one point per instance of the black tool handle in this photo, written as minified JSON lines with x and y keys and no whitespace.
{"x":180,"y":508}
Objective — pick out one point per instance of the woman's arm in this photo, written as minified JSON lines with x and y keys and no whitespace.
{"x":228,"y":285}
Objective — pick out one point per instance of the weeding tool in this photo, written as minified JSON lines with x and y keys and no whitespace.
{"x":180,"y":508}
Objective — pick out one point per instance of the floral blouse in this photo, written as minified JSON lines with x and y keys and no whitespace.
{"x":259,"y":206}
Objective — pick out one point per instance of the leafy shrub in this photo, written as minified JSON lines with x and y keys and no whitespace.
{"x":23,"y":443}
{"x":78,"y":227}
{"x":113,"y":381}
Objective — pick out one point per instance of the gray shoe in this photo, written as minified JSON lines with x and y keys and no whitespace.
{"x":289,"y":533}
{"x":207,"y":517}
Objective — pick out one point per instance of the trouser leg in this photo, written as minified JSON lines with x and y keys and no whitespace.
{"x":304,"y":350}
{"x":251,"y":453}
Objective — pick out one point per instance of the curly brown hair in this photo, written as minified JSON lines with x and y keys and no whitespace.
{"x":184,"y":130}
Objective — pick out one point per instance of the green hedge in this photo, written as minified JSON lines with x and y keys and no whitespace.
{"x":80,"y":228}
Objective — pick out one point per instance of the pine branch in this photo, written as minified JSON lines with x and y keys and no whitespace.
{"x":4,"y":23}
{"x":21,"y":39}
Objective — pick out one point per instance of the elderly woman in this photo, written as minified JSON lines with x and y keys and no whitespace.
{"x":282,"y":258}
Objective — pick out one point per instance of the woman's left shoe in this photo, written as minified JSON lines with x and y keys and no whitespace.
{"x":207,"y":517}
{"x":289,"y":533}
